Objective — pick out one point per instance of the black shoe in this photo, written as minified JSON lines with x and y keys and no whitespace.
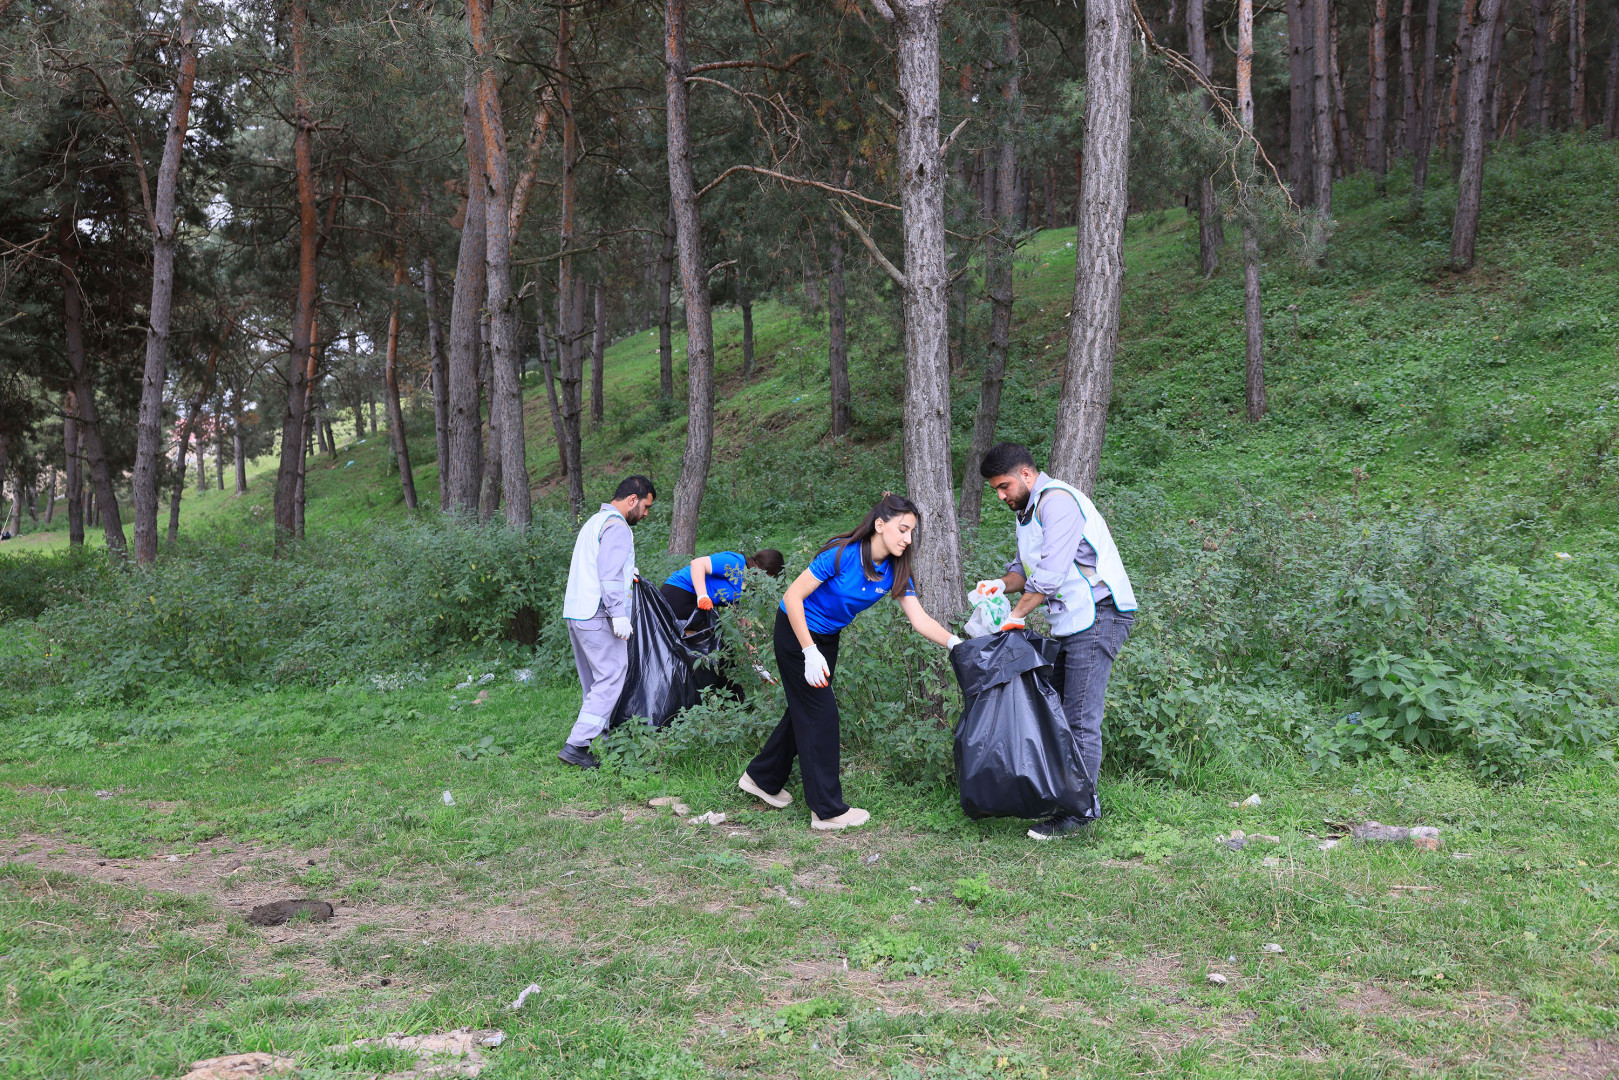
{"x":1059,"y":826}
{"x":578,"y":755}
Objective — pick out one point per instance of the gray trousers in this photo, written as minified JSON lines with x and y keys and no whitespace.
{"x":1080,"y":675}
{"x":603,"y":660}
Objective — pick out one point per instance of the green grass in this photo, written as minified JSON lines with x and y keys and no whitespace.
{"x":926,"y":945}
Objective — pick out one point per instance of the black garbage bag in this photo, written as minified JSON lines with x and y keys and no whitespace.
{"x":1015,"y":755}
{"x":662,"y":679}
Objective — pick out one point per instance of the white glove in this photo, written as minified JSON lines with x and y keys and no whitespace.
{"x":622,"y":628}
{"x":992,"y":587}
{"x":952,"y":643}
{"x":816,"y":672}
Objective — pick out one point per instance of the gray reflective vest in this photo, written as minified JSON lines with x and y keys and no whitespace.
{"x":584,"y":596}
{"x":1073,"y":608}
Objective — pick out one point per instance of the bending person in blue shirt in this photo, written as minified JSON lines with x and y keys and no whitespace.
{"x":713,"y":581}
{"x":851,"y":573}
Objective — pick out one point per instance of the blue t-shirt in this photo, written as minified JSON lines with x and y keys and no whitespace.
{"x":847,"y":592}
{"x":724,"y":578}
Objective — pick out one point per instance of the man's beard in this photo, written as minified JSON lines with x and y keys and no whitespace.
{"x":1019,"y":499}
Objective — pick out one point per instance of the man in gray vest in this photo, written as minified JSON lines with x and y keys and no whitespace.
{"x":1067,"y":561}
{"x":598,"y":612}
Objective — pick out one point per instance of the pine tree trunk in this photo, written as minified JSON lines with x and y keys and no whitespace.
{"x":178,"y":488}
{"x":1493,"y":86}
{"x":201,"y":436}
{"x":688,"y":499}
{"x":149,"y":430}
{"x":465,"y":465}
{"x":50,"y":493}
{"x":72,"y":470}
{"x":998,"y":252}
{"x":505,"y":359}
{"x":88,"y":422}
{"x":1093,"y":331}
{"x":1321,"y":98}
{"x":219,"y":441}
{"x":666,"y":351}
{"x":1210,"y":231}
{"x":390,"y":376}
{"x":1408,"y":82}
{"x":1253,"y":315}
{"x":598,"y":355}
{"x":1610,"y":92}
{"x":926,"y":299}
{"x":1540,"y":18}
{"x":1377,"y":104}
{"x":837,"y":341}
{"x":489,"y":496}
{"x":1301,"y":99}
{"x":240,"y":454}
{"x":289,"y":473}
{"x":745,"y":302}
{"x":541,"y":335}
{"x":1344,"y":154}
{"x":1465,"y":230}
{"x":1465,"y":34}
{"x":568,"y":303}
{"x":1428,"y":114}
{"x":1576,"y":65}
{"x":311,"y":370}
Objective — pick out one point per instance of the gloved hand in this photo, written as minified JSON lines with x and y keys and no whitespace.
{"x":622,"y":628}
{"x":1013,"y":622}
{"x":992,"y":587}
{"x":704,"y":603}
{"x":952,"y":643}
{"x":816,"y":671}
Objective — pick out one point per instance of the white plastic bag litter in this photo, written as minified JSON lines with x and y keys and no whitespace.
{"x":989,"y":612}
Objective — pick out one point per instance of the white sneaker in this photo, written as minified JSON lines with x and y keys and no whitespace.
{"x":778,"y":800}
{"x":849,"y":819}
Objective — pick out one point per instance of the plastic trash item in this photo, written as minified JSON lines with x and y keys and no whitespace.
{"x":989,"y":612}
{"x":447,"y":799}
{"x":664,"y":674}
{"x":531,"y":988}
{"x":1015,"y":754}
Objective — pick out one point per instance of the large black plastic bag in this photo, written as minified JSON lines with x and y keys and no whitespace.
{"x":661,"y":680}
{"x":1015,"y":755}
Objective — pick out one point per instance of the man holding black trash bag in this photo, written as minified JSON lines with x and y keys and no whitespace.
{"x":597,"y":609}
{"x":1067,"y":561}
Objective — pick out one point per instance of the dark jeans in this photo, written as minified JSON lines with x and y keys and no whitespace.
{"x":1084,"y":662}
{"x":808,"y":731}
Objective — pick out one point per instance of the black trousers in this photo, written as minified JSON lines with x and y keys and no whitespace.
{"x":808,"y":731}
{"x":684,"y":604}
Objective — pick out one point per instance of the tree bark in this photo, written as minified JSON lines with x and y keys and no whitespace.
{"x":466,"y":347}
{"x":50,"y":493}
{"x":1408,"y":81}
{"x":178,"y":489}
{"x":699,"y":450}
{"x":572,"y":318}
{"x":1210,"y":231}
{"x":240,"y":455}
{"x":568,"y":314}
{"x":439,"y":374}
{"x":1301,"y":100}
{"x":311,"y":370}
{"x":1459,"y":81}
{"x":88,"y":421}
{"x":1344,"y":142}
{"x":1253,"y":315}
{"x":219,"y":440}
{"x":1465,"y":230}
{"x":926,"y":299}
{"x":598,"y":355}
{"x":1576,"y":65}
{"x":1377,"y":102}
{"x":666,"y":351}
{"x":998,"y":253}
{"x":149,"y":430}
{"x":490,"y":491}
{"x":541,"y":335}
{"x":505,"y":355}
{"x":1321,"y":96}
{"x":1610,"y":92}
{"x":1493,"y":86}
{"x":744,"y":300}
{"x":289,"y":473}
{"x":72,"y":470}
{"x":390,"y":376}
{"x":1429,"y":112}
{"x":1093,"y":329}
{"x":837,"y":341}
{"x":1540,"y":18}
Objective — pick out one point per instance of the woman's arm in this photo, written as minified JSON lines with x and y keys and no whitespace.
{"x":700,"y":569}
{"x":802,"y":586}
{"x":923,"y":623}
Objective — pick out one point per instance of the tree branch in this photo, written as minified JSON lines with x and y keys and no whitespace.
{"x":784,"y":178}
{"x":733,"y":64}
{"x":944,"y":147}
{"x":871,"y":245}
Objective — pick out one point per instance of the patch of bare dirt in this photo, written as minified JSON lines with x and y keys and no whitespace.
{"x":217,"y":868}
{"x":823,"y":877}
{"x":1170,"y":1040}
{"x":1157,"y":970}
{"x":1478,"y":1006}
{"x":1588,"y":1059}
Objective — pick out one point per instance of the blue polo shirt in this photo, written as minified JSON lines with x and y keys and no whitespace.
{"x":724,"y":579}
{"x":845,"y":591}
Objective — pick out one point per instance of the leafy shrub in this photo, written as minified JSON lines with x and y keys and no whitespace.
{"x":1479,"y":434}
{"x":32,"y":582}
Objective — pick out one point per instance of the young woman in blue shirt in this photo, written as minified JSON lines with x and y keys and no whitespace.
{"x":851,"y":573}
{"x":713,"y":581}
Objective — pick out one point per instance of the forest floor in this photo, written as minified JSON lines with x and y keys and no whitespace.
{"x":924,"y":945}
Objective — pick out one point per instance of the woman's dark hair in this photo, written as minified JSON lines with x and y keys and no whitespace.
{"x":889,"y":507}
{"x":767,"y":559}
